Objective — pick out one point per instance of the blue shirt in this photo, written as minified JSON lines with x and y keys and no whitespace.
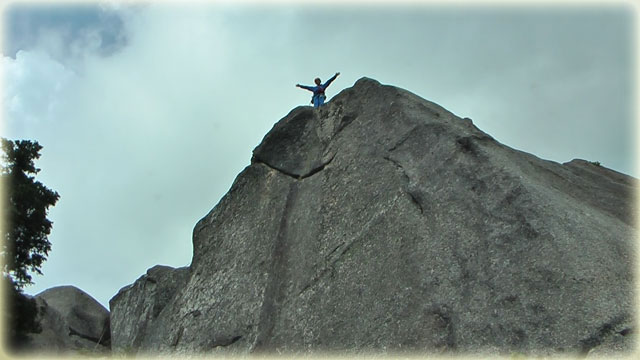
{"x":319,"y":89}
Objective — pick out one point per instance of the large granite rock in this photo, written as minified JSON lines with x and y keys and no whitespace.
{"x":72,"y":322}
{"x":382,"y":222}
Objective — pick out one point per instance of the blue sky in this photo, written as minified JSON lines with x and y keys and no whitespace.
{"x":147,"y":112}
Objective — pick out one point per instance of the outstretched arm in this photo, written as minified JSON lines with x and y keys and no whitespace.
{"x":330,"y":80}
{"x":310,"y":88}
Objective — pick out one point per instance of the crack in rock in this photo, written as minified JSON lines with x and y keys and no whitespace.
{"x":413,"y":195}
{"x":416,"y":201}
{"x":177,"y":337}
{"x":101,"y":340}
{"x":296,"y":176}
{"x":608,"y":329}
{"x":274,"y":292}
{"x":403,"y":139}
{"x":223,"y":341}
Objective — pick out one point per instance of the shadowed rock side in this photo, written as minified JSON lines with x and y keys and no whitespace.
{"x":72,"y":323}
{"x":382,"y":222}
{"x":136,"y":307}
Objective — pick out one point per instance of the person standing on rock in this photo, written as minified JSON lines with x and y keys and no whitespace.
{"x":318,"y":91}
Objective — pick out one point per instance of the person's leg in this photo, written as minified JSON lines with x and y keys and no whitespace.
{"x":316,"y":101}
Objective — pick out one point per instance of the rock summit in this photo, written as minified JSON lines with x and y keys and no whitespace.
{"x":383,"y":223}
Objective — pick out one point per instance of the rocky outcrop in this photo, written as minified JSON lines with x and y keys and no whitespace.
{"x":72,"y":322}
{"x":383,"y":222}
{"x":135,"y":308}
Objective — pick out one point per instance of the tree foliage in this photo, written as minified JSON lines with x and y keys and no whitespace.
{"x":20,"y":316}
{"x":25,"y":207}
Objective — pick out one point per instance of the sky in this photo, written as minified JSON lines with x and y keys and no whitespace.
{"x":147,"y":112}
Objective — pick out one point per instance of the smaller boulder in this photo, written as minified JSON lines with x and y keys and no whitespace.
{"x":71,"y":322}
{"x":85,"y":317}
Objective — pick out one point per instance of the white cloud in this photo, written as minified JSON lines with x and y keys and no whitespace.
{"x":33,"y":84}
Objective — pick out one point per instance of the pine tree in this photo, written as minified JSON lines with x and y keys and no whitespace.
{"x":25,"y":231}
{"x":26,"y":227}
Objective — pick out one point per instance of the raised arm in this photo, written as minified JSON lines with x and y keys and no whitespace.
{"x":330,"y":80}
{"x":310,"y":88}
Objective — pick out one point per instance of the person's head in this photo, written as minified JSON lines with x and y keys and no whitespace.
{"x":317,"y":81}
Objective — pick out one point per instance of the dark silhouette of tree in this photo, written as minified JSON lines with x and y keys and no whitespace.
{"x":19,"y":315}
{"x":26,"y":227}
{"x":25,"y":203}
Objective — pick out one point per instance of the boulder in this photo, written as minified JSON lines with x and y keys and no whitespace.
{"x":383,"y":223}
{"x":85,"y":316}
{"x":71,"y":322}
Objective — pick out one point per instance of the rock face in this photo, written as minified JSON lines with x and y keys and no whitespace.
{"x":382,"y":222}
{"x":136,"y":307}
{"x":71,"y":322}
